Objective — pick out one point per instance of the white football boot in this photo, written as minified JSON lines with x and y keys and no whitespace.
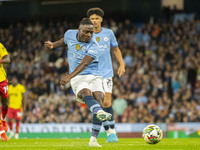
{"x":11,"y":134}
{"x":16,"y":136}
{"x":93,"y":142}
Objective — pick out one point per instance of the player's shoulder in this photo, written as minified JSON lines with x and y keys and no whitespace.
{"x":106,"y":30}
{"x":70,"y":34}
{"x":20,"y":85}
{"x":21,"y":88}
{"x":71,"y":31}
{"x":2,"y":46}
{"x":10,"y":86}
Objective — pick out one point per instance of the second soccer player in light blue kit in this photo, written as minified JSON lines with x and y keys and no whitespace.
{"x":107,"y":41}
{"x":84,"y":75}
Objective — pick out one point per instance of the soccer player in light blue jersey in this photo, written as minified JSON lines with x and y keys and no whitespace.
{"x":107,"y":41}
{"x":84,"y":75}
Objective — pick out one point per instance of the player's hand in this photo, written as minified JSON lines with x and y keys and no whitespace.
{"x":65,"y":79}
{"x":48,"y":44}
{"x":121,"y":70}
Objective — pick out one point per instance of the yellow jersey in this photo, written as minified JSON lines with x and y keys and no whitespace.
{"x":3,"y":52}
{"x":16,"y":96}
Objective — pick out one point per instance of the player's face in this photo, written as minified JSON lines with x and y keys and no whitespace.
{"x":96,"y":20}
{"x":85,"y":33}
{"x":14,"y":81}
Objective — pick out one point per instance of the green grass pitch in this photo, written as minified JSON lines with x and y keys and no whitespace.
{"x":82,"y":144}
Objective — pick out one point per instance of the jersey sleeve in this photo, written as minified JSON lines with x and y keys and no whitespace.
{"x":113,"y":41}
{"x":3,"y":50}
{"x":93,"y":50}
{"x":66,"y":36}
{"x":23,"y":90}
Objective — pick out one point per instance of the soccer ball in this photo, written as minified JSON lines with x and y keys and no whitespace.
{"x":152,"y":134}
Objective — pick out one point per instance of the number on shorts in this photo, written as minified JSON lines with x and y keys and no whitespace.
{"x":109,"y":83}
{"x":6,"y":89}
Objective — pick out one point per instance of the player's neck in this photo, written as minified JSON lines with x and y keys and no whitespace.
{"x":78,"y":38}
{"x":14,"y":85}
{"x":97,"y":29}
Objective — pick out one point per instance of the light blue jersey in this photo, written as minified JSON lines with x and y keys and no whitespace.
{"x":106,"y":40}
{"x":77,"y":50}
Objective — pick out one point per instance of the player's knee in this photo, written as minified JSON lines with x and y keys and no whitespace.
{"x":106,"y":103}
{"x":99,"y":96}
{"x":84,"y":92}
{"x":5,"y":103}
{"x":100,"y":100}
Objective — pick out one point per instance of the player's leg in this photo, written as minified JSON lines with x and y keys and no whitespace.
{"x":93,"y":105}
{"x":96,"y":124}
{"x":97,"y":115}
{"x":4,"y":107}
{"x":98,"y":93}
{"x":109,"y":125}
{"x":4,"y":103}
{"x":81,"y":87}
{"x":17,"y":129}
{"x":96,"y":127}
{"x":4,"y":110}
{"x":18,"y":118}
{"x":2,"y":132}
{"x":10,"y":117}
{"x":10,"y":124}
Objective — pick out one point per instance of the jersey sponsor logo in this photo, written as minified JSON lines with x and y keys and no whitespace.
{"x":93,"y":51}
{"x":106,"y":39}
{"x":103,"y":46}
{"x":78,"y":47}
{"x":97,"y":39}
{"x":83,"y":48}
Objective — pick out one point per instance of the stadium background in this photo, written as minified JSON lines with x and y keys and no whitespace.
{"x":161,"y":84}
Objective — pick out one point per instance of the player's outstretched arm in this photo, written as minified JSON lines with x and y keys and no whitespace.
{"x":51,"y":45}
{"x":84,"y":63}
{"x":118,"y":55}
{"x":5,"y":60}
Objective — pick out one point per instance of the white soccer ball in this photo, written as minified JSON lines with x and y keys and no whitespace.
{"x":152,"y":134}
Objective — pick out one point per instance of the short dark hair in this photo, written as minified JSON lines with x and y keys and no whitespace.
{"x":86,"y":21}
{"x":96,"y":10}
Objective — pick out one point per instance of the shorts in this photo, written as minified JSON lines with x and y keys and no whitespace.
{"x":4,"y":88}
{"x":14,"y":114}
{"x":91,"y":82}
{"x":107,"y":85}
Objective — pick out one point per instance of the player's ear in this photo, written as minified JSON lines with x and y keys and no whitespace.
{"x":79,"y":27}
{"x":101,"y":19}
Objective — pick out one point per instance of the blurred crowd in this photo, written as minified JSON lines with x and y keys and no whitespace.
{"x":161,"y":84}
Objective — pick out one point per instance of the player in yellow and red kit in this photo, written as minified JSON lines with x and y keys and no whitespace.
{"x":4,"y":59}
{"x":16,"y":95}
